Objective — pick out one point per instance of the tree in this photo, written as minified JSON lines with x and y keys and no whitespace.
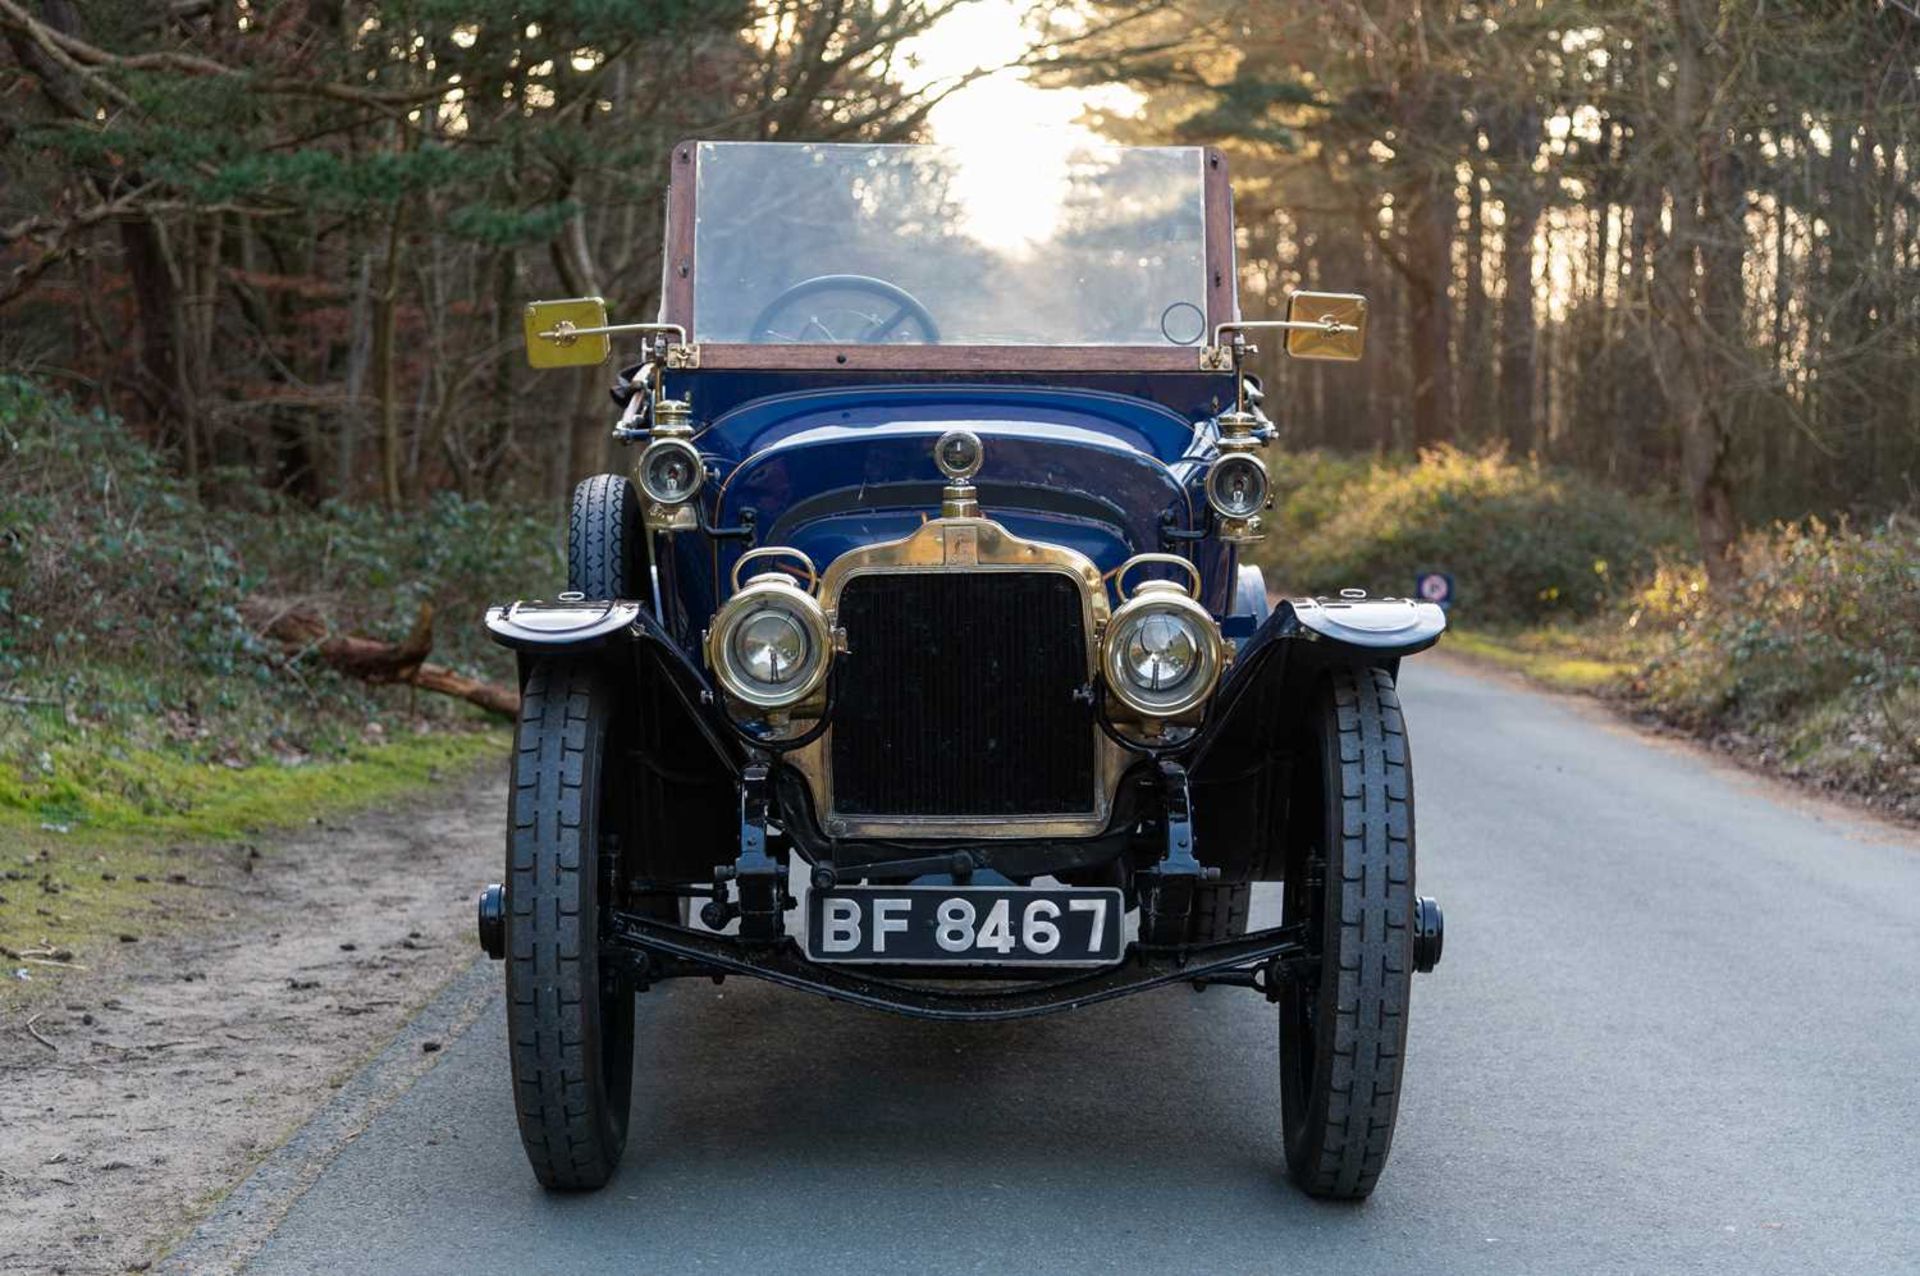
{"x":328,"y":213}
{"x":1700,"y":220}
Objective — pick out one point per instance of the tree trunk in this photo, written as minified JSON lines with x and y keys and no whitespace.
{"x":1476,"y":354}
{"x":353,"y":416}
{"x":157,"y":305}
{"x":1430,"y":314}
{"x":1688,"y":343}
{"x":385,"y":374}
{"x":1518,"y":331}
{"x":586,"y":419}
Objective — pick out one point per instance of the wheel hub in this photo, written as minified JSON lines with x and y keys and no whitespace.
{"x":492,"y":921}
{"x":1429,"y":934}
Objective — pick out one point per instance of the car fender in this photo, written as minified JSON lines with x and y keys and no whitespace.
{"x":568,"y":625}
{"x":1241,"y":757}
{"x":632,"y":642}
{"x":1275,"y":669}
{"x":1383,"y":626}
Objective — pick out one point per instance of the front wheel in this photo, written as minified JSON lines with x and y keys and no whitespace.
{"x":569,"y":1019}
{"x":1349,"y":879}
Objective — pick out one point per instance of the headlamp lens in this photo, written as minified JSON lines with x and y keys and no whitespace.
{"x":670,"y":471}
{"x":771,"y":647}
{"x":1161,"y":652}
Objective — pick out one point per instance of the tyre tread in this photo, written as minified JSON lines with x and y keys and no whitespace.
{"x":603,"y":538}
{"x":1220,"y":911}
{"x":1344,"y":1156}
{"x":551,"y":977}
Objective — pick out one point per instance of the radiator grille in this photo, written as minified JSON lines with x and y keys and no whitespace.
{"x":962,"y":694}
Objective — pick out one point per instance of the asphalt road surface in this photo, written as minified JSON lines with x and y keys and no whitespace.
{"x":1677,"y":1028}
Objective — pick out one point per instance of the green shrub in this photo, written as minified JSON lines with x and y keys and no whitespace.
{"x":120,"y":629}
{"x":106,"y":557}
{"x":1524,"y":542}
{"x":1816,"y":654}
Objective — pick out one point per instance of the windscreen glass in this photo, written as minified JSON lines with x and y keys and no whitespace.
{"x":847,"y":244}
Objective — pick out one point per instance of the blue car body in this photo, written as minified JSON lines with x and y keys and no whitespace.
{"x":823,"y":464}
{"x":1093,"y":462}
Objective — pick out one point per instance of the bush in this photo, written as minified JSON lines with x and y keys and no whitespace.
{"x":105,"y":556}
{"x":120,"y":632}
{"x":1816,"y":655}
{"x":1524,"y":542}
{"x":96,"y":552}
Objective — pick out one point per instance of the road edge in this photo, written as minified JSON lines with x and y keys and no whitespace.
{"x":247,"y":1216}
{"x":1616,"y":715}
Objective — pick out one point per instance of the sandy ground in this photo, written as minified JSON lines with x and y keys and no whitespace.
{"x":166,"y":1073}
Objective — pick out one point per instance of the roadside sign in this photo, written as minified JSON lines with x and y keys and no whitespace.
{"x":1434,"y":587}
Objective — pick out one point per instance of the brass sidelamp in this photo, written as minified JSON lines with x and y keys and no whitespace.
{"x":1237,"y":486}
{"x":670,"y":472}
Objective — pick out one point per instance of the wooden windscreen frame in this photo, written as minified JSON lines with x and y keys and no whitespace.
{"x":1217,"y":201}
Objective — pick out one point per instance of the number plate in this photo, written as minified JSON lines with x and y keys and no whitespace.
{"x":966,"y":925}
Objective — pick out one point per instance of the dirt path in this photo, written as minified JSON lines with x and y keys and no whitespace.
{"x":132,"y":1101}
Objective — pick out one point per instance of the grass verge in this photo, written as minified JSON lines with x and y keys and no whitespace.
{"x":89,"y":868}
{"x":1565,"y":660}
{"x":146,"y":731}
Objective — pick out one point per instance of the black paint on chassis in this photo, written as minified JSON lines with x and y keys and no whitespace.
{"x":657,"y":951}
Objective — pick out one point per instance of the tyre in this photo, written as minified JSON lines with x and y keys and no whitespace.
{"x":1349,"y":878}
{"x":1219,"y":911}
{"x":606,"y":553}
{"x":569,"y":1021}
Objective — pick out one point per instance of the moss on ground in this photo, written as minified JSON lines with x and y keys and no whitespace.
{"x":102,"y":850}
{"x":153,"y":793}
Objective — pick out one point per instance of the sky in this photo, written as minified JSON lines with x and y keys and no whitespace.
{"x":993,"y":113}
{"x":988,"y":33}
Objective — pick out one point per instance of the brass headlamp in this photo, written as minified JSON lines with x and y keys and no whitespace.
{"x":771,"y":643}
{"x":1162,"y":653}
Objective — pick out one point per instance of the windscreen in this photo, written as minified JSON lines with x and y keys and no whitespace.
{"x":1087,"y":246}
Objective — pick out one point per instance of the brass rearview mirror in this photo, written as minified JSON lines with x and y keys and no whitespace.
{"x":1340,"y":325}
{"x":554,"y":336}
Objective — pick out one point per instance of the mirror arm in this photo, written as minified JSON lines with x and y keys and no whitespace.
{"x":1224,"y":354}
{"x":1326,"y":327}
{"x":565,"y":334}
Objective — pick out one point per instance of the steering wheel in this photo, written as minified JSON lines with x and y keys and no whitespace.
{"x":842,"y":321}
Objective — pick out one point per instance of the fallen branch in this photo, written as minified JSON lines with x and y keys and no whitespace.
{"x":492,"y":697}
{"x":299,"y":629}
{"x":35,"y":1032}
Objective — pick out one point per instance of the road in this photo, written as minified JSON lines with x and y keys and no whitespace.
{"x":1675,"y":1030}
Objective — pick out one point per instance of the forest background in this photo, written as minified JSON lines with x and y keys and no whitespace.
{"x":1644,"y":374}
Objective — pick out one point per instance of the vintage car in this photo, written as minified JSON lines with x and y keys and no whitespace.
{"x":916,"y":657}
